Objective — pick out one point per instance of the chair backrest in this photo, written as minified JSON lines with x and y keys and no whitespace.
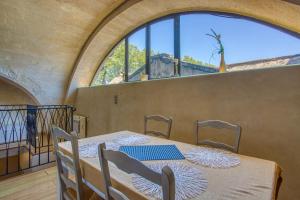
{"x":159,"y":118}
{"x":236,"y":129}
{"x":66,"y":163}
{"x":130,"y":165}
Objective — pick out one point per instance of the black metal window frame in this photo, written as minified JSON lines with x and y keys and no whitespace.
{"x":177,"y":38}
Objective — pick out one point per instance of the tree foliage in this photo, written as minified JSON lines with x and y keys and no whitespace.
{"x":113,"y":67}
{"x":194,"y":61}
{"x":137,"y":58}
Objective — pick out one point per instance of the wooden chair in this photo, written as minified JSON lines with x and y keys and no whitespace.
{"x":68,"y":168}
{"x":130,"y":165}
{"x":158,"y":118}
{"x":219,"y":125}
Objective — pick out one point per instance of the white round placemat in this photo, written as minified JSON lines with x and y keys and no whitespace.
{"x":212,"y":157}
{"x":90,"y":150}
{"x":129,"y":139}
{"x":189,"y":181}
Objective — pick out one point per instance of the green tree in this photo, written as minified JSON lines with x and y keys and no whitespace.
{"x":114,"y":64}
{"x":191,"y":60}
{"x":194,"y":61}
{"x":137,"y":58}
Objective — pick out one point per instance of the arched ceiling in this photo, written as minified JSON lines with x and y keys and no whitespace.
{"x":40,"y":39}
{"x":53,"y":47}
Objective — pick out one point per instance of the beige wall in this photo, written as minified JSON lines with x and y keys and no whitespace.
{"x":266,"y":103}
{"x":11,"y":94}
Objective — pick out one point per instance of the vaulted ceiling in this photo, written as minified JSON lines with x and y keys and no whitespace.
{"x":40,"y":40}
{"x":52,"y":47}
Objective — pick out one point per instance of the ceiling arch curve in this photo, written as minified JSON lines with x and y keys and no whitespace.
{"x":22,"y":88}
{"x":136,"y":13}
{"x":22,"y":82}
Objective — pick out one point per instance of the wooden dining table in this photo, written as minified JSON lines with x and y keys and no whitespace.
{"x":252,"y":179}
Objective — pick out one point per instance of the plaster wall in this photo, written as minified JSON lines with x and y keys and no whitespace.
{"x":266,"y":103}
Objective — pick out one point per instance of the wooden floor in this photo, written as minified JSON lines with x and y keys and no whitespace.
{"x":33,"y":186}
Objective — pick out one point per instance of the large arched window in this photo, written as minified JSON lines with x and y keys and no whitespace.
{"x":197,"y":43}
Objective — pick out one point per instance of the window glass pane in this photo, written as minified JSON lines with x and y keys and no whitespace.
{"x":112,"y":69}
{"x":209,"y":43}
{"x":247,"y":44}
{"x":136,"y":55}
{"x":162,"y":49}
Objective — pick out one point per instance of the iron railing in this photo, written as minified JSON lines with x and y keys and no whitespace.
{"x":25,"y":135}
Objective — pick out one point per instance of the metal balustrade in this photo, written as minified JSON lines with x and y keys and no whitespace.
{"x":25,"y":135}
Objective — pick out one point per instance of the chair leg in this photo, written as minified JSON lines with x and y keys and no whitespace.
{"x":279,"y":182}
{"x":58,"y":189}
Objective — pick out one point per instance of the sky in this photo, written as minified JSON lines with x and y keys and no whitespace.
{"x":243,"y":40}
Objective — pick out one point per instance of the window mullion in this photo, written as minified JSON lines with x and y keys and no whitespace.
{"x":177,"y":42}
{"x":126,"y":60}
{"x":148,"y":50}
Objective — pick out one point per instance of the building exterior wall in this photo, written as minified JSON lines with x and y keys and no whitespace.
{"x":162,"y":66}
{"x":266,"y":103}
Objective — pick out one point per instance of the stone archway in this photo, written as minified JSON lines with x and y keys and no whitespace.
{"x":23,"y":90}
